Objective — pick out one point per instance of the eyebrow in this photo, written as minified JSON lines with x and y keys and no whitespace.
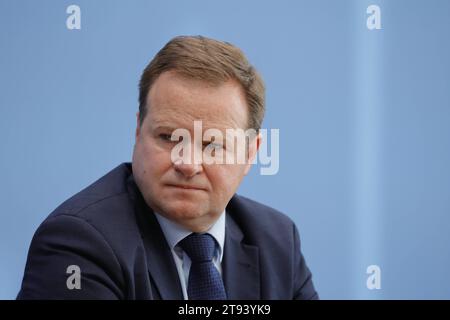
{"x":164,"y":124}
{"x":172,"y":126}
{"x":164,"y":127}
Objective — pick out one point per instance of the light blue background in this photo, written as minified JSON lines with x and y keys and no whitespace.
{"x":363,"y":118}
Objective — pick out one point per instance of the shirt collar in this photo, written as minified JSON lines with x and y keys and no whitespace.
{"x":174,"y":232}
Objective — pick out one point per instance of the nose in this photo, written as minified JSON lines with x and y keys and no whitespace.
{"x":191,"y":162}
{"x":188,"y":170}
{"x":190,"y":165}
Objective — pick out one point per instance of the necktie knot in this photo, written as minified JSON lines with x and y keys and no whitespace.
{"x":199,"y":247}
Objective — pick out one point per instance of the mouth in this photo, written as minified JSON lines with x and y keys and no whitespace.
{"x":186,"y":187}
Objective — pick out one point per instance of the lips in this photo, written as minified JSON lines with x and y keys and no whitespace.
{"x":186,"y":187}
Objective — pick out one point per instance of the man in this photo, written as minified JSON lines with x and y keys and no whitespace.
{"x":168,"y":226}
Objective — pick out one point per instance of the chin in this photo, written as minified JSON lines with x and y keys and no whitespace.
{"x":183,"y":210}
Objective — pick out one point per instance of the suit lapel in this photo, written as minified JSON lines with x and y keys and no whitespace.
{"x":161,"y":265}
{"x":240,"y":265}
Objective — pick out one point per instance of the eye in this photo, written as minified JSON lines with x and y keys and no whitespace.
{"x":165,"y":137}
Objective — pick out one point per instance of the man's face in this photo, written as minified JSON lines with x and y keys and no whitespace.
{"x":191,"y":194}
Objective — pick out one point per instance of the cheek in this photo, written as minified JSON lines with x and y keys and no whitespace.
{"x":151,"y":160}
{"x":225,"y":179}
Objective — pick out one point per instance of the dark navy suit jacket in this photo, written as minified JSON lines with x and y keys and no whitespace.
{"x":110,"y":233}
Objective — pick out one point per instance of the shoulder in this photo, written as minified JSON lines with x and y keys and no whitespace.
{"x":104,"y":200}
{"x":102,"y":208}
{"x":104,"y":191}
{"x":259,"y":221}
{"x":258,"y":213}
{"x":95,"y":230}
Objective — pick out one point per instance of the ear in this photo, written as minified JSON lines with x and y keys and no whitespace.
{"x":252,"y":151}
{"x":138,"y":126}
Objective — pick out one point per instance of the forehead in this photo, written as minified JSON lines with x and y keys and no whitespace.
{"x":177,"y":101}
